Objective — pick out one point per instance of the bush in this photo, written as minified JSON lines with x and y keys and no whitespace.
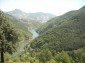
{"x":63,"y":57}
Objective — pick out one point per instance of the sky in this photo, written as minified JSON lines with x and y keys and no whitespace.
{"x":56,"y":7}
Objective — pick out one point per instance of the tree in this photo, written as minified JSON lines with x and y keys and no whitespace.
{"x":63,"y":57}
{"x":52,"y":61}
{"x":82,"y":58}
{"x":8,"y":36}
{"x":45,"y":55}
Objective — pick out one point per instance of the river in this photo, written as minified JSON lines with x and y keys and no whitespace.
{"x":35,"y":34}
{"x":24,"y":42}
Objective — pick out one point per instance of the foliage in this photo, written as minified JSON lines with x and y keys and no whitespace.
{"x":77,"y":55}
{"x":64,"y":43}
{"x":45,"y":55}
{"x":19,"y":24}
{"x":70,"y":35}
{"x":82,"y":58}
{"x":51,"y":61}
{"x":63,"y":57}
{"x":9,"y":35}
{"x":55,"y":22}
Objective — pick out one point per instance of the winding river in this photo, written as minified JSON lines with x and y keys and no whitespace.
{"x":35,"y":34}
{"x":24,"y":42}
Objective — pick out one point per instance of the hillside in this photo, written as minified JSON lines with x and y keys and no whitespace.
{"x":35,"y":17}
{"x":24,"y":19}
{"x":20,"y":25}
{"x":68,"y":35}
{"x":57,"y":21}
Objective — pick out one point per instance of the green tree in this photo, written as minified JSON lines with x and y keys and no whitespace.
{"x":82,"y":58}
{"x":8,"y":36}
{"x":52,"y":61}
{"x":63,"y":57}
{"x":45,"y":55}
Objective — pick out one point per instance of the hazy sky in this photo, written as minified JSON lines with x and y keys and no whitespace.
{"x":56,"y":7}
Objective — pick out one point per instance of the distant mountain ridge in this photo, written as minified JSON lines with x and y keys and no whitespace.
{"x":24,"y":19}
{"x":18,"y":13}
{"x":38,"y":16}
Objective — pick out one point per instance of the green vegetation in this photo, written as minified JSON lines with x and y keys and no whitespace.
{"x":67,"y":36}
{"x":45,"y":56}
{"x":9,"y":36}
{"x":19,"y":24}
{"x":55,"y":22}
{"x":62,"y":40}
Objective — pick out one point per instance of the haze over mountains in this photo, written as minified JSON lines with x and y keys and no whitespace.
{"x":41,"y":37}
{"x":61,"y":39}
{"x":38,"y":16}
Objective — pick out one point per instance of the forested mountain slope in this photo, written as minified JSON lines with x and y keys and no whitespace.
{"x":69,"y":35}
{"x":58,"y":20}
{"x":23,"y":27}
{"x":24,"y":19}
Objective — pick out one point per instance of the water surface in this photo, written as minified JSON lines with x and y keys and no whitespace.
{"x":35,"y":34}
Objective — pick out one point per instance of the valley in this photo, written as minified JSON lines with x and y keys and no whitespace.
{"x":42,"y":37}
{"x":35,"y":34}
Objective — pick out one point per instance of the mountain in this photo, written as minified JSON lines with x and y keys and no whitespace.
{"x":41,"y":17}
{"x":38,"y":16}
{"x":23,"y":27}
{"x":18,"y":13}
{"x":67,"y":35}
{"x":24,"y":19}
{"x":55,"y":22}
